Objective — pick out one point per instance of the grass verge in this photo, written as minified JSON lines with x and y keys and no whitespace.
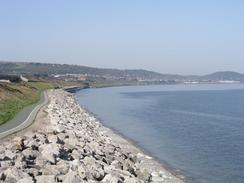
{"x":15,"y":96}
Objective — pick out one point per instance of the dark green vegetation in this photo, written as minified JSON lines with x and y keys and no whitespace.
{"x":15,"y":96}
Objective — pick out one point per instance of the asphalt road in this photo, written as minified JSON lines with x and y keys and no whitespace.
{"x":24,"y":118}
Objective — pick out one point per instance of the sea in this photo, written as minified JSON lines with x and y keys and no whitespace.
{"x":195,"y":130}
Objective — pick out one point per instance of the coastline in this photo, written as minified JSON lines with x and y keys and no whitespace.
{"x":162,"y":164}
{"x":112,"y":131}
{"x":66,"y":143}
{"x":158,"y":163}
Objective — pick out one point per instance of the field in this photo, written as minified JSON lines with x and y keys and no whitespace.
{"x":15,"y":96}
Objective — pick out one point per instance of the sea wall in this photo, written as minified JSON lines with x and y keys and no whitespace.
{"x":68,"y":144}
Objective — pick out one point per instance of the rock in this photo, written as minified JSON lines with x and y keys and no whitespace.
{"x":94,"y":168}
{"x":97,"y":173}
{"x":157,"y":177}
{"x":95,"y":146}
{"x":82,"y":172}
{"x":76,"y":155}
{"x":12,"y":174}
{"x":60,"y":178}
{"x":2,"y":149}
{"x":45,"y":179}
{"x":50,"y":170}
{"x":30,"y":153}
{"x":49,"y":151}
{"x":19,"y":163}
{"x":52,"y":138}
{"x":5,"y":164}
{"x":33,"y":172}
{"x":60,"y":141}
{"x":63,"y":167}
{"x":112,"y":179}
{"x":10,"y":154}
{"x":144,"y":175}
{"x":74,"y":164}
{"x":61,"y":129}
{"x":16,"y":144}
{"x":71,"y":177}
{"x":116,"y":172}
{"x":117,"y":164}
{"x":109,"y":148}
{"x":40,"y":162}
{"x":129,"y":166}
{"x":2,"y":155}
{"x":26,"y":180}
{"x":71,"y":143}
{"x":132,"y":180}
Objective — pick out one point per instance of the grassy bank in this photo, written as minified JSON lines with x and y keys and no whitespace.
{"x":15,"y":96}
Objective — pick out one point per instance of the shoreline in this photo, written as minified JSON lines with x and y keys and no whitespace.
{"x":165,"y":165}
{"x":68,"y":144}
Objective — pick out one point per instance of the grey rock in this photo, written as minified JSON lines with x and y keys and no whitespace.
{"x":26,"y":180}
{"x":82,"y":172}
{"x":40,"y":162}
{"x":63,"y":167}
{"x":49,"y":151}
{"x":10,"y":154}
{"x":49,"y":169}
{"x":94,"y":168}
{"x":30,"y":153}
{"x":6,"y":164}
{"x":132,"y":180}
{"x":144,"y":175}
{"x":45,"y":179}
{"x":71,"y":143}
{"x":112,"y":179}
{"x":12,"y":174}
{"x":52,"y":138}
{"x":71,"y":177}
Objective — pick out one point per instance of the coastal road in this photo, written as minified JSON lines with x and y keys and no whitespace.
{"x":24,"y":118}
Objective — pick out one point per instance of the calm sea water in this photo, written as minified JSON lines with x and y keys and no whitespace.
{"x":198,"y":129}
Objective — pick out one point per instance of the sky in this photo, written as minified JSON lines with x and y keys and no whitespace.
{"x":174,"y":36}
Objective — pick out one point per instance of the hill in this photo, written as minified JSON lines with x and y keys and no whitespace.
{"x":225,"y":75}
{"x":49,"y":69}
{"x":102,"y":74}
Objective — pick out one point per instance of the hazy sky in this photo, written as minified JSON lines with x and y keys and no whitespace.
{"x":174,"y":36}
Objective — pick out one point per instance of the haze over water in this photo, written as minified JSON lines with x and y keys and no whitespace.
{"x":195,"y":128}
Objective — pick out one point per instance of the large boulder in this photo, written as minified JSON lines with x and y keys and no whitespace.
{"x":109,"y":178}
{"x":11,"y":175}
{"x":95,"y":168}
{"x":49,"y":152}
{"x":45,"y":179}
{"x":9,"y":154}
{"x":26,"y":180}
{"x":63,"y":166}
{"x":71,"y":177}
{"x":50,"y":170}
